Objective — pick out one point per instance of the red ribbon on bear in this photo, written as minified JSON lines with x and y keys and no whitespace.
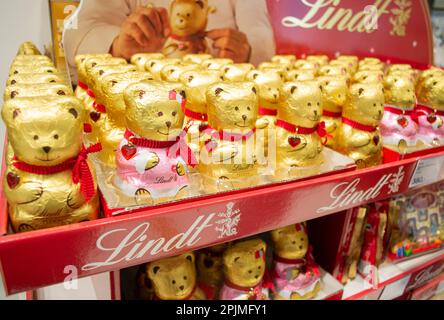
{"x":320,"y":129}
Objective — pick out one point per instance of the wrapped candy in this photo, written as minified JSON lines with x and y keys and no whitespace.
{"x":172,"y":72}
{"x":245,"y":272}
{"x":145,"y":290}
{"x":196,"y":116}
{"x":430,"y":111}
{"x":359,"y":136}
{"x":228,"y":160}
{"x":140,"y":59}
{"x":371,"y":67}
{"x":349,"y":66}
{"x":307,"y":65}
{"x":175,"y":278}
{"x":196,"y":58}
{"x":152,"y":158}
{"x":321,"y":60}
{"x":31,"y":78}
{"x":368,"y":76}
{"x":29,"y":63}
{"x":354,"y":59}
{"x":334,"y":96}
{"x":398,"y":129}
{"x":22,"y":59}
{"x":50,"y":182}
{"x":36,"y":90}
{"x":399,"y":67}
{"x":32,"y":69}
{"x":300,"y":75}
{"x":113,"y":127}
{"x":330,"y":70}
{"x":370,"y":60}
{"x":236,"y":72}
{"x":28,"y":48}
{"x":296,"y":275}
{"x":188,"y":23}
{"x":284,"y":59}
{"x":433,"y":72}
{"x":282,"y":68}
{"x":216,"y":64}
{"x":300,"y":135}
{"x":155,"y":66}
{"x":82,"y":87}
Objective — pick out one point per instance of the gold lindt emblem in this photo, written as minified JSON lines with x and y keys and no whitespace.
{"x":401,"y":17}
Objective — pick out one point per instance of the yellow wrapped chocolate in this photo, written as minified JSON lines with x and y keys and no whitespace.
{"x":172,"y":72}
{"x":41,"y":187}
{"x":32,"y":78}
{"x":155,"y":66}
{"x":140,"y":59}
{"x":175,"y":278}
{"x":113,"y":127}
{"x":24,"y":59}
{"x":368,"y":76}
{"x":433,"y":72}
{"x":228,"y":160}
{"x":359,"y":136}
{"x":399,"y":67}
{"x":298,"y":135}
{"x":236,"y":72}
{"x":284,"y":59}
{"x":196,"y":58}
{"x":28,"y":48}
{"x":300,"y":75}
{"x":30,"y":63}
{"x":334,"y":96}
{"x":350,"y":66}
{"x":322,"y":60}
{"x":36,"y":90}
{"x":371,"y":67}
{"x":244,"y":270}
{"x":216,"y":64}
{"x":283,"y":68}
{"x":196,"y":117}
{"x":333,"y":70}
{"x":307,"y":65}
{"x":33,"y":69}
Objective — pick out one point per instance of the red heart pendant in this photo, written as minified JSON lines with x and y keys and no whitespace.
{"x":128,"y":151}
{"x":95,"y":116}
{"x":402,"y":121}
{"x":294,"y":141}
{"x":13,"y":180}
{"x":376,"y":140}
{"x":431,"y":118}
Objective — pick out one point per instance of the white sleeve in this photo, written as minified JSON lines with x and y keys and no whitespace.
{"x":252,"y":18}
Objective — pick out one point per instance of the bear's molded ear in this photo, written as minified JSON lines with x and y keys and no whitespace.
{"x":293,"y":89}
{"x":212,"y":9}
{"x":255,"y":75}
{"x":218,"y":91}
{"x":361,"y":91}
{"x":74,"y":113}
{"x":227,"y":69}
{"x":183,"y":94}
{"x":190,"y":78}
{"x":200,"y":3}
{"x":15,"y":113}
{"x":153,"y":269}
{"x":254,"y":90}
{"x":190,"y":258}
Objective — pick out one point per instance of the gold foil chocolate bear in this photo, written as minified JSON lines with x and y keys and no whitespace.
{"x":36,"y":90}
{"x":50,"y":183}
{"x":300,"y":135}
{"x":175,"y":278}
{"x":359,"y":136}
{"x":140,"y":59}
{"x":227,"y":161}
{"x":188,"y":22}
{"x":236,"y":72}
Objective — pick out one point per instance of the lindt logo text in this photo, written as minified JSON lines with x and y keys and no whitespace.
{"x":135,"y":244}
{"x":348,"y":194}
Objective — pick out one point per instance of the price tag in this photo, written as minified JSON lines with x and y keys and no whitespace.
{"x":428,"y":171}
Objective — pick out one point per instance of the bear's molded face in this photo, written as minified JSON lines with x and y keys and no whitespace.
{"x":400,"y":92}
{"x":44,"y":131}
{"x":173,"y":278}
{"x":151,"y":110}
{"x":236,"y":72}
{"x":304,"y":103}
{"x":155,"y":66}
{"x":196,"y":84}
{"x":91,"y":63}
{"x":433,"y":92}
{"x":188,"y":17}
{"x":270,"y":85}
{"x":365,"y":104}
{"x":35,"y":90}
{"x":101,"y":71}
{"x":172,"y":72}
{"x":244,"y":263}
{"x":334,"y":91}
{"x":300,"y":75}
{"x":113,"y":86}
{"x":368,"y":76}
{"x":232,"y":106}
{"x":290,"y":242}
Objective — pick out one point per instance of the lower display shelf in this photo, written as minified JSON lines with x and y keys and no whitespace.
{"x":396,"y":279}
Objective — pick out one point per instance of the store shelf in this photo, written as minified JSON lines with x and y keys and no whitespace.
{"x":39,"y":258}
{"x":396,"y":279}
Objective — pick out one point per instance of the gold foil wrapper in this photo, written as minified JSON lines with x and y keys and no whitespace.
{"x":209,"y":265}
{"x":216,"y":64}
{"x":298,"y":154}
{"x":284,"y":59}
{"x":37,"y":132}
{"x":31,"y":58}
{"x":33,"y":69}
{"x":28,"y":48}
{"x":350,"y":66}
{"x":426,"y":74}
{"x":36,"y":90}
{"x":33,"y":78}
{"x":334,"y":96}
{"x":322,"y":60}
{"x":366,"y":107}
{"x":233,"y":108}
{"x":30,"y":63}
{"x":155,"y":66}
{"x":368,"y":76}
{"x":300,"y":75}
{"x":236,"y":72}
{"x":92,"y":63}
{"x":197,"y":58}
{"x":81,"y":59}
{"x":283,"y":68}
{"x":172,"y":72}
{"x":371,"y":67}
{"x":140,"y":59}
{"x":307,"y":65}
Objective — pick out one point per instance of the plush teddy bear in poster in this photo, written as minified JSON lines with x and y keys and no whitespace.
{"x":175,"y":278}
{"x":228,"y":160}
{"x":244,"y":269}
{"x":359,"y":136}
{"x":152,"y":158}
{"x":50,"y":182}
{"x":188,"y":23}
{"x":296,"y":275}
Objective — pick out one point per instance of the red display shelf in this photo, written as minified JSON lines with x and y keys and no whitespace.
{"x":37,"y":259}
{"x":396,"y":280}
